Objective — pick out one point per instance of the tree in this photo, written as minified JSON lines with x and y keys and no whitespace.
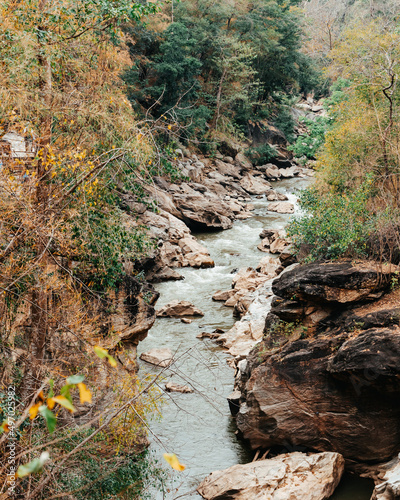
{"x":360,"y":154}
{"x":64,"y":239}
{"x":230,"y":59}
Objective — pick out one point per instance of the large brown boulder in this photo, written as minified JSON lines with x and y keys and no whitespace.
{"x":327,"y":394}
{"x":341,"y":282}
{"x":255,"y":185}
{"x":203,"y":212}
{"x":281,"y":207}
{"x":293,"y":476}
{"x":158,"y":357}
{"x":325,"y":375}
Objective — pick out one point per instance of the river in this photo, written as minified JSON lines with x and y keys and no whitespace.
{"x":198,"y":427}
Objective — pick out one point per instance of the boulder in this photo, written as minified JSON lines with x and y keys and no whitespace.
{"x":268,"y":265}
{"x":243,"y":162}
{"x":388,"y":481}
{"x":195,"y":254}
{"x":228,"y":169}
{"x":271,"y":171}
{"x":281,"y":207}
{"x":269,"y":233}
{"x":229,"y":147}
{"x":166,"y":274}
{"x":242,"y":337}
{"x":199,"y":260}
{"x":330,"y":392}
{"x":248,"y":279}
{"x":262,"y":132}
{"x":159,"y":357}
{"x":171,"y":255}
{"x":163,"y":200}
{"x":199,"y":211}
{"x":176,"y":309}
{"x":255,"y":185}
{"x":264,"y":245}
{"x":279,"y":245}
{"x":288,"y":173}
{"x":223,"y":296}
{"x":288,"y":256}
{"x":276,"y":196}
{"x":341,"y":282}
{"x":293,"y":476}
{"x":242,"y":304}
{"x":172,"y":387}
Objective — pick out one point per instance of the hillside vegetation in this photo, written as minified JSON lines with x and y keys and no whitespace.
{"x":354,"y":208}
{"x":96,"y":97}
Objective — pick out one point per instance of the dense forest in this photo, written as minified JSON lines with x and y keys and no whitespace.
{"x":98,"y":98}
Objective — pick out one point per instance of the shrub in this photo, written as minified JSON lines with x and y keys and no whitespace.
{"x":123,"y":477}
{"x":261,"y":155}
{"x":333,"y":225}
{"x":308,"y":145}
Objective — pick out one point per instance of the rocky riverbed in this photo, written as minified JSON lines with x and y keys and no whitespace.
{"x":313,"y":349}
{"x":203,"y":277}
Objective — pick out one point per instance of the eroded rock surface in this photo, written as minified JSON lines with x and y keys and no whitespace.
{"x":325,"y":375}
{"x":281,"y":207}
{"x":177,"y":309}
{"x":342,"y":282}
{"x":160,"y":357}
{"x":293,"y":476}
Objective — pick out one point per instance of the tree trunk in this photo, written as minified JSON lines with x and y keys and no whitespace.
{"x":218,"y":103}
{"x":40,"y":296}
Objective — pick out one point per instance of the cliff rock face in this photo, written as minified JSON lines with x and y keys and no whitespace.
{"x":331,"y":385}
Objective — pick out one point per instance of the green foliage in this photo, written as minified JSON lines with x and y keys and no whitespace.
{"x":261,"y":155}
{"x":308,"y":145}
{"x":176,"y":69}
{"x":124,"y":477}
{"x":220,"y":63}
{"x":331,"y":225}
{"x":104,"y":244}
{"x":283,"y":118}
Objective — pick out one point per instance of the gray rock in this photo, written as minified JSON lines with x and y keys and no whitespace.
{"x":293,"y":476}
{"x":176,"y":309}
{"x":281,"y":207}
{"x":159,"y":357}
{"x":172,"y":387}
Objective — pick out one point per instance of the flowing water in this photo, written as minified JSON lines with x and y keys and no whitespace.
{"x":198,"y":427}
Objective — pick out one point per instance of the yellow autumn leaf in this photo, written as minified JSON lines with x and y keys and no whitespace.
{"x":34,"y":410}
{"x":103,"y":353}
{"x":63,"y":401}
{"x":112,"y":361}
{"x":84,"y":393}
{"x":5,"y":427}
{"x":173,"y":461}
{"x":51,"y":403}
